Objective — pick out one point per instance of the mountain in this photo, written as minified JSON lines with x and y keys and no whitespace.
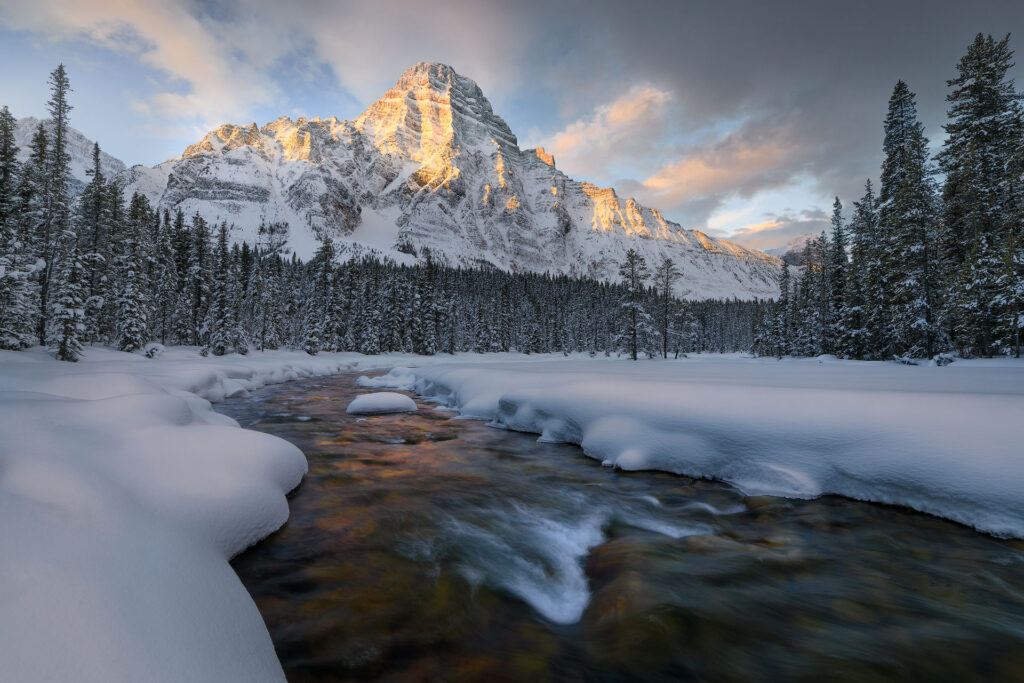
{"x":79,"y":147}
{"x":792,"y":252}
{"x":430,"y":166}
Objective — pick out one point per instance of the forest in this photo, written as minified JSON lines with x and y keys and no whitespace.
{"x":922,"y":266}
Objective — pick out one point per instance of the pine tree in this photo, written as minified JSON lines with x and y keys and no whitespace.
{"x":9,"y":169}
{"x":865,"y":264}
{"x":1009,"y":328}
{"x":15,"y":285}
{"x":221,"y":327}
{"x":132,"y":298}
{"x":982,"y":191}
{"x":665,"y":277}
{"x":95,"y":234}
{"x":907,"y":215}
{"x":636,"y":328}
{"x":424,"y":312}
{"x":166,"y":285}
{"x":197,"y":279}
{"x":68,"y":322}
{"x":778,"y":342}
{"x":322,"y":272}
{"x":55,"y":215}
{"x":837,"y":276}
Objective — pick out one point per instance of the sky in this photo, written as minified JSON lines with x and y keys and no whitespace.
{"x":740,"y":118}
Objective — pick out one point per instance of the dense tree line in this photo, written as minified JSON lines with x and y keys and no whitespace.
{"x":98,"y":269}
{"x":918,"y":268}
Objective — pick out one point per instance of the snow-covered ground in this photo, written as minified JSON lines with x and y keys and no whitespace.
{"x":122,"y":498}
{"x":948,"y":441}
{"x":123,"y":494}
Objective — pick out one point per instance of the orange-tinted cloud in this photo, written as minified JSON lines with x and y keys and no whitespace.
{"x":731,"y":167}
{"x":612,"y":132}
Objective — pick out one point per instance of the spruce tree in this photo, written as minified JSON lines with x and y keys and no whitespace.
{"x":15,"y":286}
{"x":55,"y":216}
{"x":67,"y":325}
{"x":636,"y":329}
{"x":983,"y":138}
{"x":9,"y":169}
{"x":837,"y":276}
{"x":95,"y":235}
{"x":197,"y":279}
{"x":1009,"y":328}
{"x":166,"y":284}
{"x":907,"y":217}
{"x":132,"y":296}
{"x":665,"y":277}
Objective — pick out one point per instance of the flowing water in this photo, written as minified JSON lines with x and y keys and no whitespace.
{"x":426,"y":547}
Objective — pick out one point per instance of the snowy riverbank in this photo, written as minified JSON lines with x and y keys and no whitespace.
{"x":948,"y":441}
{"x":122,"y":497}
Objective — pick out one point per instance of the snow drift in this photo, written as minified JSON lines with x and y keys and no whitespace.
{"x":946,"y":441}
{"x":122,"y":498}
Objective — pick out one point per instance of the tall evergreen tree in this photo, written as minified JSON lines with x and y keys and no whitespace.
{"x":55,"y":216}
{"x":980,"y":194}
{"x":96,"y":238}
{"x":636,"y":330}
{"x":15,"y":285}
{"x":197,"y":278}
{"x":906,"y":213}
{"x":837,"y":275}
{"x":664,"y":278}
{"x":67,"y":325}
{"x":132,"y":298}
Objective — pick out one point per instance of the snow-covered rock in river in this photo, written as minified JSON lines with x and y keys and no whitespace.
{"x":79,"y":148}
{"x":430,"y":167}
{"x":381,"y":402}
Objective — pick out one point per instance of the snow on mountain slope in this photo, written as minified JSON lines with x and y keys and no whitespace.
{"x":430,"y":166}
{"x":79,"y":147}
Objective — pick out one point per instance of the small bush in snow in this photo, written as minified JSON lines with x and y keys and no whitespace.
{"x":153,"y":350}
{"x":943,"y":359}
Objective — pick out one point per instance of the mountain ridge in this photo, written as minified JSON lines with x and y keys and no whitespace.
{"x":431,"y":166}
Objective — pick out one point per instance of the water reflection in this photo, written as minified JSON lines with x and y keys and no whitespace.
{"x":425,"y":547}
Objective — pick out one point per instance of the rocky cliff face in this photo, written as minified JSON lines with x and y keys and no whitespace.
{"x":430,"y":166}
{"x":79,"y":147}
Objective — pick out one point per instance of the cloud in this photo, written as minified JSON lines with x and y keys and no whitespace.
{"x":780,"y":229}
{"x":612,"y":133}
{"x":216,"y":83}
{"x":219,"y":61}
{"x":731,"y":166}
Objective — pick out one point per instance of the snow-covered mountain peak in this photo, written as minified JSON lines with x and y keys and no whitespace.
{"x":430,"y":168}
{"x":433,"y":110}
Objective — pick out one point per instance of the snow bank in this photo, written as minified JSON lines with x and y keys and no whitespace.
{"x":122,"y":498}
{"x":946,"y":441}
{"x":381,"y":402}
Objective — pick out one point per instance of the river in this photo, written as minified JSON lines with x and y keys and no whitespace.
{"x":427,"y":547}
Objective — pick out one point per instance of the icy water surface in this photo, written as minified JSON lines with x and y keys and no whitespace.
{"x":422,"y":547}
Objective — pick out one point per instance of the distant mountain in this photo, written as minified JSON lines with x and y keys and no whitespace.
{"x":430,"y":166}
{"x":79,"y":147}
{"x":792,"y":252}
